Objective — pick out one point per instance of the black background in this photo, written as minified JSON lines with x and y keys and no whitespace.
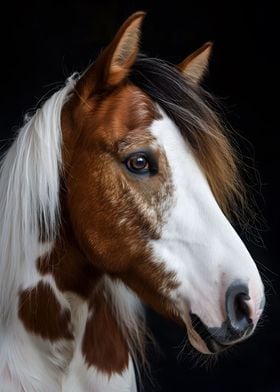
{"x":44,"y":42}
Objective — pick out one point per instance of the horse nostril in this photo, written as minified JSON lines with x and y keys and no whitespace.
{"x":239,"y":321}
{"x":240,"y":306}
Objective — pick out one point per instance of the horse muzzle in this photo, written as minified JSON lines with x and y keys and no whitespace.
{"x":238,"y":325}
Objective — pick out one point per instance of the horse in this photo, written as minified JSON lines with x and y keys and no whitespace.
{"x":119,"y":191}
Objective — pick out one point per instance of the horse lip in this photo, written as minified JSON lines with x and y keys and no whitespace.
{"x":212,"y":344}
{"x":217,"y":347}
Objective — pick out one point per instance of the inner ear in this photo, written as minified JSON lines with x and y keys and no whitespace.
{"x":126,"y":50}
{"x":195,"y":65}
{"x":113,"y":64}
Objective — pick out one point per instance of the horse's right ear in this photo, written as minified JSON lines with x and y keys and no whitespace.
{"x":113,"y":64}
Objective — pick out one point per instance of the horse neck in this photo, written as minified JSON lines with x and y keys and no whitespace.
{"x":101,"y":337}
{"x":68,"y":304}
{"x":65,"y":317}
{"x":55,"y":295}
{"x":69,"y":267}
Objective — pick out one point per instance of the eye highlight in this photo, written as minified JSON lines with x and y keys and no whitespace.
{"x":141,"y":163}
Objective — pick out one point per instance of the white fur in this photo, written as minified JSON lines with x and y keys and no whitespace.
{"x":197,"y":241}
{"x":32,"y":364}
{"x":79,"y":377}
{"x":87,"y":379}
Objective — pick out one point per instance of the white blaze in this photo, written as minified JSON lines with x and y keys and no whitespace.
{"x":197,"y":242}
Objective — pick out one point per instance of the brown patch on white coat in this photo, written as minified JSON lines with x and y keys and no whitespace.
{"x":103,"y":344}
{"x":42,"y":314}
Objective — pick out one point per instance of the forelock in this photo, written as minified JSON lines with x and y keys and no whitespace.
{"x":190,"y":107}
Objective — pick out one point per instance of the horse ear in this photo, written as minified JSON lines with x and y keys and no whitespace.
{"x":195,"y":65}
{"x":123,"y":49}
{"x":114,"y":63}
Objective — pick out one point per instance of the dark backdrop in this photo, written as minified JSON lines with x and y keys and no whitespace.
{"x":44,"y":42}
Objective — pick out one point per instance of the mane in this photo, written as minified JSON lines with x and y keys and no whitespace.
{"x":190,"y":107}
{"x":29,"y":197}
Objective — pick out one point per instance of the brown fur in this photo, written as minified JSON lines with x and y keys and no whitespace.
{"x":42,"y":314}
{"x":104,"y":345}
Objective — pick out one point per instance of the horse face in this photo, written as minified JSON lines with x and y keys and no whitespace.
{"x":142,"y":209}
{"x":219,"y":294}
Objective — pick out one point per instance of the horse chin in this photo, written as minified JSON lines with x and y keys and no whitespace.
{"x":197,"y":342}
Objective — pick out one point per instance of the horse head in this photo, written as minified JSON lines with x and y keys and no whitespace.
{"x":151,"y":181}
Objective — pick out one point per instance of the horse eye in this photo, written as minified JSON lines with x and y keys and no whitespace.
{"x":138,"y":163}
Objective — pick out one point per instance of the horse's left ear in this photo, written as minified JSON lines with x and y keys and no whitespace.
{"x":113,"y":64}
{"x":196,"y":64}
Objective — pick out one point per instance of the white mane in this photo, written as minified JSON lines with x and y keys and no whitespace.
{"x":29,"y":196}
